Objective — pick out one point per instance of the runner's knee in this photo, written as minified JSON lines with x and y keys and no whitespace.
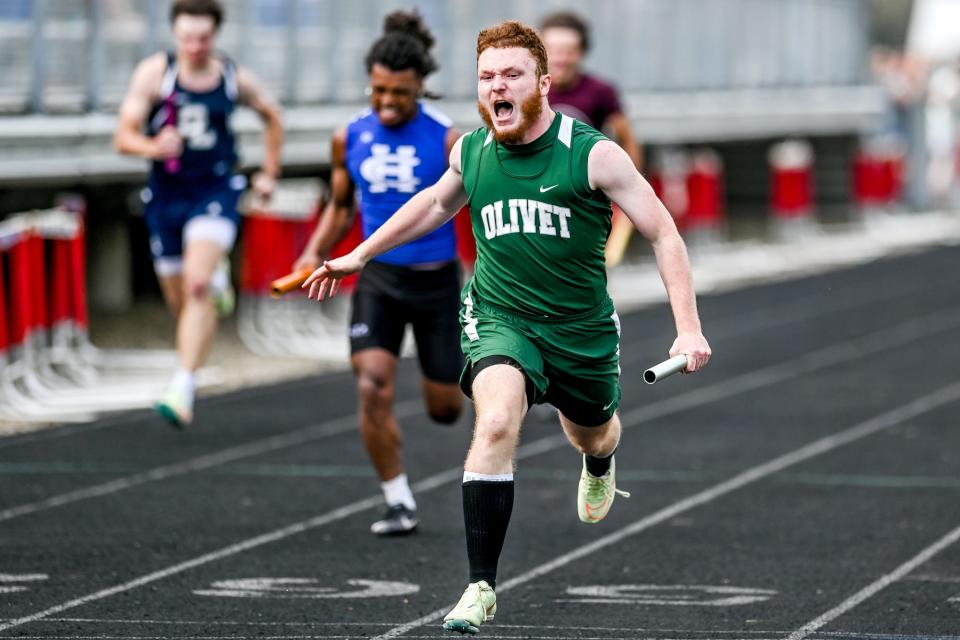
{"x":376,"y":391}
{"x":195,"y":288}
{"x":494,"y":427}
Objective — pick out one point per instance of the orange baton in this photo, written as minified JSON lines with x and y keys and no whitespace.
{"x":289,"y":282}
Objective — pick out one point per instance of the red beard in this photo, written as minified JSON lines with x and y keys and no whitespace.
{"x":530,"y":112}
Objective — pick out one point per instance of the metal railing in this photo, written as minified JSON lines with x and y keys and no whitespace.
{"x":77,"y":55}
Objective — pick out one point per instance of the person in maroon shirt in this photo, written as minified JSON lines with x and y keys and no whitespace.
{"x":589,"y":99}
{"x":578,"y":94}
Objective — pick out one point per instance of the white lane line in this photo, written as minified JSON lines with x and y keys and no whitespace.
{"x":660,"y":633}
{"x":878,"y":585}
{"x":257,"y":447}
{"x":939,"y":398}
{"x":250,"y":543}
{"x":515,"y":627}
{"x":634,"y":352}
{"x":793,"y":312}
{"x":219,"y":623}
{"x":22,"y":577}
{"x":198,"y":637}
{"x":632,"y":636}
{"x":884,"y":339}
{"x":811,"y":362}
{"x":138,"y":415}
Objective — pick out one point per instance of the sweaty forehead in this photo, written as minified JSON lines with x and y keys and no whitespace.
{"x":498,"y":59}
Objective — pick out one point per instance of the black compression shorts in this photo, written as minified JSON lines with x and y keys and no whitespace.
{"x":388,"y":297}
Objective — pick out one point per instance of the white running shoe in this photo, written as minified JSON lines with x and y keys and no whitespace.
{"x":477,"y":605}
{"x":595,"y":495}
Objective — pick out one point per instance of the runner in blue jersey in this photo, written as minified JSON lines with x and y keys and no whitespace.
{"x":176,"y":113}
{"x":386,"y":155}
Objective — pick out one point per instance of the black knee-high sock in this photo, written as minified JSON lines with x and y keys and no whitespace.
{"x":486,"y":514}
{"x":598,"y":466}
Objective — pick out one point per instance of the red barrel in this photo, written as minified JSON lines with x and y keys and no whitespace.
{"x":272,"y":242}
{"x":22,"y":312}
{"x":705,"y":197}
{"x":877,"y":175}
{"x":791,"y":179}
{"x":4,"y":316}
{"x":669,"y":178}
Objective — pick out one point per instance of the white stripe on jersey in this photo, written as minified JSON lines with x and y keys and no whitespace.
{"x":566,"y":130}
{"x":169,"y":80}
{"x":437,"y":115}
{"x":360,"y":116}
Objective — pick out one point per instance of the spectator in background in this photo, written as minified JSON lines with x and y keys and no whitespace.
{"x":176,"y":113}
{"x":590,"y":100}
{"x":582,"y":95}
{"x":903,"y":78}
{"x":943,"y":98}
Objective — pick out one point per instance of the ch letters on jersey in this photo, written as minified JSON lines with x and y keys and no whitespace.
{"x":385,"y":170}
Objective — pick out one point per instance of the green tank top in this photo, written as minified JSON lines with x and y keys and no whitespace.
{"x":540,"y":228}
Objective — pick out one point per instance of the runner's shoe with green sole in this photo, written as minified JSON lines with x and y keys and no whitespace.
{"x":174,"y":408}
{"x":477,"y":605}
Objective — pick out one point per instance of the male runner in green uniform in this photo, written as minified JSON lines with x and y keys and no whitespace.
{"x":538,"y":325}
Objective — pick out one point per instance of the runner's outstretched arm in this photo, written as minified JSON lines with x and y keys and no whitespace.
{"x":611,"y":170}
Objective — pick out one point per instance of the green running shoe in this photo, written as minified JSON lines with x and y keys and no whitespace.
{"x":477,"y":605}
{"x":595,"y":495}
{"x":174,"y":408}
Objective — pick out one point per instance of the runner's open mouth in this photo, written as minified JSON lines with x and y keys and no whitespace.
{"x":502,"y":108}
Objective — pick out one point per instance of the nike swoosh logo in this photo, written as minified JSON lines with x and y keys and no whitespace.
{"x":606,"y":407}
{"x":544,"y":189}
{"x":600,"y":508}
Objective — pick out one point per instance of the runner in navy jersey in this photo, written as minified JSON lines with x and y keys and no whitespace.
{"x":388,"y":153}
{"x":176,"y":113}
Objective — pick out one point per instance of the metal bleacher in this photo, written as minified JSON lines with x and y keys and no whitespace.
{"x":690,"y":70}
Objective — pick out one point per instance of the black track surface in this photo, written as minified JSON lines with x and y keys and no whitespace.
{"x":737,"y":527}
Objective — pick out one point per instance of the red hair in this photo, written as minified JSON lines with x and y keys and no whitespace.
{"x":511,"y":34}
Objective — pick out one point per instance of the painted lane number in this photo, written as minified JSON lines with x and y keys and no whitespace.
{"x":10,"y":583}
{"x":668,"y":595}
{"x":304,"y":588}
